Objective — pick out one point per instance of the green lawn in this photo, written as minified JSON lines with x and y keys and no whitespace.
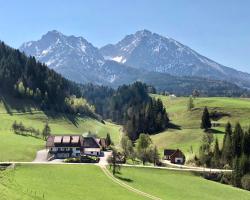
{"x":172,"y":185}
{"x":88,"y":182}
{"x":21,"y":148}
{"x":60,"y":182}
{"x":190,"y":134}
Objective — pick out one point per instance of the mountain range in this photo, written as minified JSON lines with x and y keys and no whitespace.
{"x":142,"y":56}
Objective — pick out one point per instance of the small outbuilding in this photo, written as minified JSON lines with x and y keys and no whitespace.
{"x":174,"y":156}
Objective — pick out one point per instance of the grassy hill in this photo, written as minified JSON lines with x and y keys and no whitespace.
{"x":189,"y":134}
{"x":89,"y":182}
{"x":58,"y":182}
{"x":23,"y":148}
{"x":169,"y":185}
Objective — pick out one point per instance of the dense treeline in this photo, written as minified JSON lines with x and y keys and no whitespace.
{"x":98,"y":96}
{"x":234,"y":154}
{"x":26,"y":78}
{"x":129,"y":105}
{"x":184,"y":86}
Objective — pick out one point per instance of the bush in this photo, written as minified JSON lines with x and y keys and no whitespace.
{"x":245,"y":182}
{"x":89,"y":159}
{"x":72,"y":160}
{"x":226,"y":178}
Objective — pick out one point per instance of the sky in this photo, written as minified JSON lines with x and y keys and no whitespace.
{"x":219,"y":30}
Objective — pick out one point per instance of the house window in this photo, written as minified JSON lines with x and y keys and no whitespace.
{"x":77,"y":148}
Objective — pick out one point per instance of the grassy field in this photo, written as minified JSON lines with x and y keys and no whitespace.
{"x":22,"y":148}
{"x":88,"y":182}
{"x":188,"y":137}
{"x":60,"y":182}
{"x":172,"y":185}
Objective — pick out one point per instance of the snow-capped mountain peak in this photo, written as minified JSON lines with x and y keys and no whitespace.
{"x":68,"y":55}
{"x":77,"y":59}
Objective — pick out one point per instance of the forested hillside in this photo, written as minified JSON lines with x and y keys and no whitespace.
{"x":129,"y":105}
{"x":24,"y":77}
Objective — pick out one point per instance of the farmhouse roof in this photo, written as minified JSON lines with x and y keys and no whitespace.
{"x":64,"y":140}
{"x":71,"y":141}
{"x":90,"y":142}
{"x":169,"y":152}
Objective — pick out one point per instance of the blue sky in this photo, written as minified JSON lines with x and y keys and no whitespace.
{"x":219,"y":30}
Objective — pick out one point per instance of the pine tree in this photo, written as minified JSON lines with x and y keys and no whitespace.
{"x":216,"y":154}
{"x":228,"y":130}
{"x":246,"y":143}
{"x":237,"y":174}
{"x":205,"y":120}
{"x":46,"y":131}
{"x":237,"y":140}
{"x":205,"y":149}
{"x":108,"y":140}
{"x":226,"y":152}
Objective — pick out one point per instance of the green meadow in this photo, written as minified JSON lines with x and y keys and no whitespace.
{"x":169,"y":185}
{"x":23,"y":148}
{"x":60,"y":182}
{"x":188,"y":136}
{"x":63,"y":182}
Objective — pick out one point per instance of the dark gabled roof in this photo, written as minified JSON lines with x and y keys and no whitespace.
{"x":169,"y":152}
{"x":90,"y":142}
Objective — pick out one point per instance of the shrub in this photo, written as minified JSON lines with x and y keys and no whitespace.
{"x":89,"y":159}
{"x":245,"y":182}
{"x":226,"y":178}
{"x":72,"y":160}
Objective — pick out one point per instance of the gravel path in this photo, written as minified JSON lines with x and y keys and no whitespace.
{"x":41,"y":156}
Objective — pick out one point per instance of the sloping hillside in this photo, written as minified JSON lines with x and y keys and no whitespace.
{"x":187,"y":136}
{"x":23,"y":148}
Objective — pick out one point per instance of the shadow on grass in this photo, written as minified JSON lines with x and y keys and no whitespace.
{"x":56,"y":115}
{"x":214,"y":131}
{"x":19,"y":105}
{"x":124,"y":179}
{"x":174,"y":126}
{"x":22,"y":106}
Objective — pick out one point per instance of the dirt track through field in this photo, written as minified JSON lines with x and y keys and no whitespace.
{"x":128,"y":187}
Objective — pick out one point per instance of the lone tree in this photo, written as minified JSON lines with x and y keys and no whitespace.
{"x":143,"y":145}
{"x":127,"y":147}
{"x":46,"y":131}
{"x":190,"y":104}
{"x":154,"y":155}
{"x":113,"y":161}
{"x":205,"y":120}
